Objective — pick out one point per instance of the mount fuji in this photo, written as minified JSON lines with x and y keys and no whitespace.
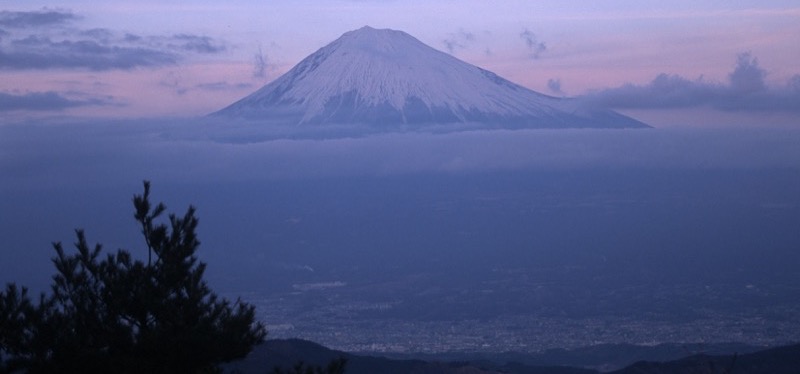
{"x":389,"y":79}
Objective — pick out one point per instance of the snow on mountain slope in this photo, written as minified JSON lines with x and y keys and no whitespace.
{"x":387,"y":77}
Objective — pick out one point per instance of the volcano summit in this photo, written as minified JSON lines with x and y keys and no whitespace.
{"x":387,"y":78}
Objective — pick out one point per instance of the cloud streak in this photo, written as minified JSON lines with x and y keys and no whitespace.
{"x":262,"y":64}
{"x":223,"y":86}
{"x":34,"y":53}
{"x":535,"y":46}
{"x":745,"y":90}
{"x":35,"y":41}
{"x":195,"y":43}
{"x":44,"y":101}
{"x":175,"y":83}
{"x":554,"y":85}
{"x":458,"y":40}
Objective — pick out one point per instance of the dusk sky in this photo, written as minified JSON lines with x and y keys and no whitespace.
{"x":678,"y":63}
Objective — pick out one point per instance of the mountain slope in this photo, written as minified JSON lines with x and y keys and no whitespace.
{"x":286,"y":353}
{"x":780,"y":360}
{"x":387,"y":77}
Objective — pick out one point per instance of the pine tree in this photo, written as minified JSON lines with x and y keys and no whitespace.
{"x":120,"y":315}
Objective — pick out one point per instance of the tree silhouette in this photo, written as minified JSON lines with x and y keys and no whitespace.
{"x":121,"y":315}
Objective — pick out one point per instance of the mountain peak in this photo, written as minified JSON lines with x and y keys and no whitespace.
{"x":365,"y":30}
{"x":369,"y":31}
{"x":387,"y":77}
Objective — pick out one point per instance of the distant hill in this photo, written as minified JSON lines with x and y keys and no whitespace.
{"x":286,"y":353}
{"x":602,"y":357}
{"x":781,"y":360}
{"x":389,"y":80}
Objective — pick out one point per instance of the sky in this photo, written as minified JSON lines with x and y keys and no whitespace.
{"x":678,"y":63}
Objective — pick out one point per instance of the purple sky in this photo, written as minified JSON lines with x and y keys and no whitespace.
{"x":679,"y":63}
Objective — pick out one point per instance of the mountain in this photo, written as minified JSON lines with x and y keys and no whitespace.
{"x":389,"y":78}
{"x":286,"y":353}
{"x":780,"y":360}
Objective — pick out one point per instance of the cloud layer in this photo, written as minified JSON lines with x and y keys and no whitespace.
{"x":745,"y":90}
{"x":126,"y":152}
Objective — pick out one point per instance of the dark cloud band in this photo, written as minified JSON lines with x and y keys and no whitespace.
{"x":39,"y":18}
{"x":43,"y":53}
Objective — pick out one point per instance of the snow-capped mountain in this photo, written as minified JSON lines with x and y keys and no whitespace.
{"x":387,"y":77}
